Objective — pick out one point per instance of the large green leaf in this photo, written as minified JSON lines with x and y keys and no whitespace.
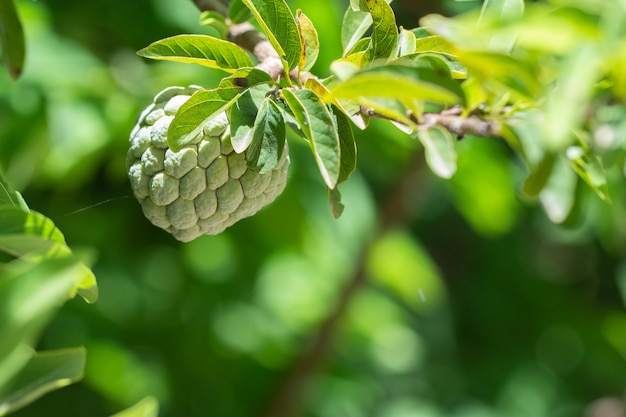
{"x":199,"y":49}
{"x":440,"y":150}
{"x":308,"y":38}
{"x":30,"y":294}
{"x":202,"y":107}
{"x":45,"y":372}
{"x":385,"y":36}
{"x":317,"y":125}
{"x":9,"y":196}
{"x":148,"y":407}
{"x":32,"y":236}
{"x":11,"y":38}
{"x":268,"y":137}
{"x":279,"y":25}
{"x":397,"y":83}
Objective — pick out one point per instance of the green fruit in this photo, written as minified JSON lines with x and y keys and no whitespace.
{"x":203,"y":188}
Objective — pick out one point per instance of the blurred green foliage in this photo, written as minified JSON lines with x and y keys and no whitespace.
{"x":478,"y":306}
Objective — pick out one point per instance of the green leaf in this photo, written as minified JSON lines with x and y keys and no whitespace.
{"x":351,"y":108}
{"x":30,"y":294}
{"x":279,"y":25}
{"x":334,"y":199}
{"x":148,"y":407}
{"x":11,"y":39}
{"x":435,"y":44}
{"x":440,"y":150}
{"x":308,"y":38}
{"x":32,"y":236}
{"x":11,"y":197}
{"x":397,"y":83}
{"x":385,"y":36}
{"x":238,"y":12}
{"x":202,"y":107}
{"x":358,"y":5}
{"x":268,"y":137}
{"x":243,"y":115}
{"x":317,"y":125}
{"x":216,"y":21}
{"x":406,"y":42}
{"x":46,"y":371}
{"x":354,"y":26}
{"x":347,"y":144}
{"x":199,"y":49}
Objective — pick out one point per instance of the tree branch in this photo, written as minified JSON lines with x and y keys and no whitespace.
{"x":451,"y":119}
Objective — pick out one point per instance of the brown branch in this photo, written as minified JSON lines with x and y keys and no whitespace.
{"x":289,"y":395}
{"x":472,"y":125}
{"x":452,"y":119}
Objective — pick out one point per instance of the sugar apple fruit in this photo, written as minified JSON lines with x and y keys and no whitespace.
{"x":203,"y":188}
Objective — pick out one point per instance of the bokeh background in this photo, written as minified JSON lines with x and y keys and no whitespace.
{"x":475,"y":305}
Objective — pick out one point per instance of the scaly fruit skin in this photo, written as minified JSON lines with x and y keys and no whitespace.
{"x":203,"y":188}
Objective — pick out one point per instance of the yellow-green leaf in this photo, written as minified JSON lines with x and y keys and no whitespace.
{"x":199,"y":49}
{"x":308,"y":38}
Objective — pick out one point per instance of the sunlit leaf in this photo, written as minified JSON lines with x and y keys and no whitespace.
{"x":45,"y":371}
{"x":202,"y":107}
{"x":406,"y":42}
{"x":199,"y":49}
{"x":317,"y":124}
{"x":268,"y":137}
{"x":351,"y":108}
{"x":435,"y":44}
{"x":148,"y":407}
{"x":279,"y":25}
{"x":391,"y":83}
{"x":385,"y":36}
{"x":354,"y":26}
{"x":11,"y":39}
{"x":308,"y":38}
{"x":440,"y":150}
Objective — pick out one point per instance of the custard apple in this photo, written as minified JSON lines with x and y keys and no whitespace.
{"x":203,"y":188}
